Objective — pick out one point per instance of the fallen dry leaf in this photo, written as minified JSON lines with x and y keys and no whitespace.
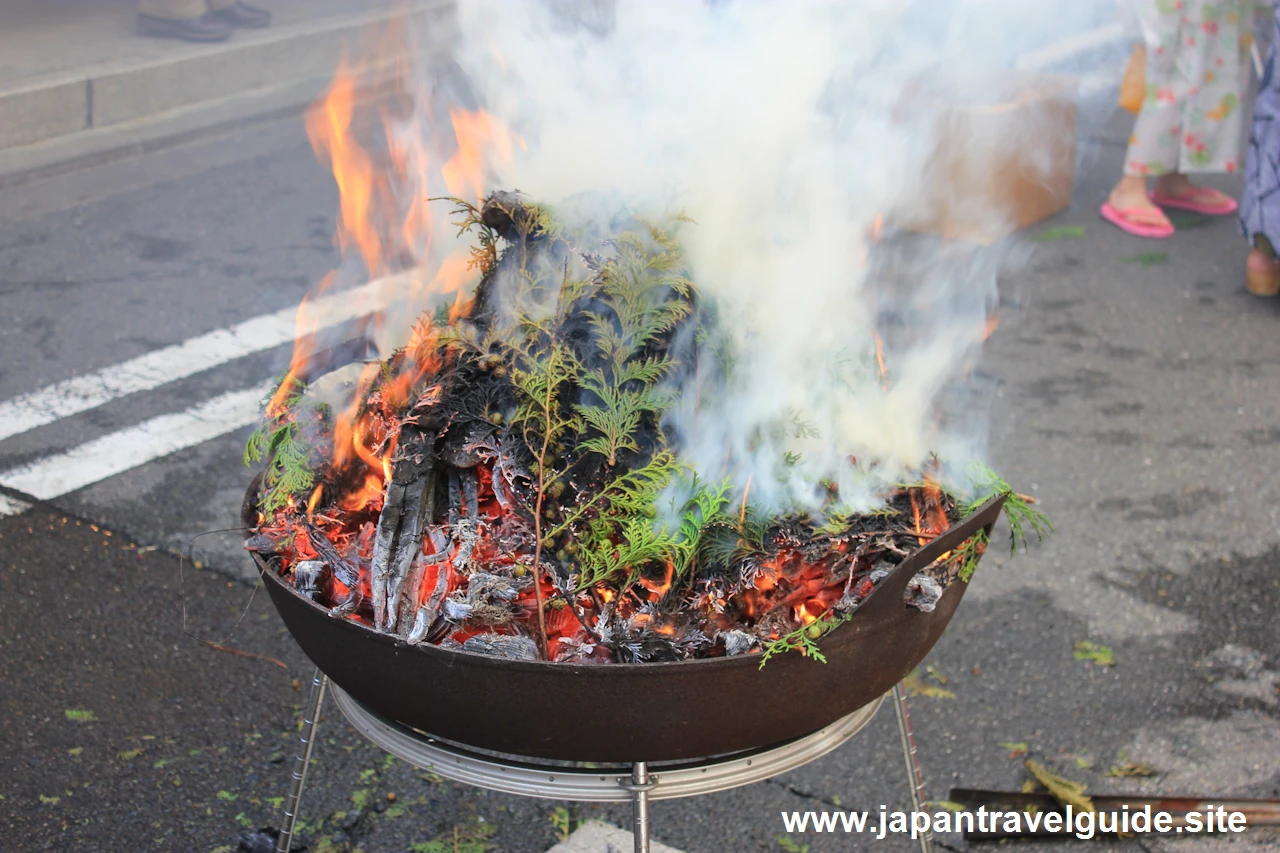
{"x":1063,"y":790}
{"x":1017,"y":749}
{"x":916,"y":686}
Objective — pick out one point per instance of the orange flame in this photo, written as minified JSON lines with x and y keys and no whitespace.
{"x":657,"y":590}
{"x":314,"y":500}
{"x":307,"y":323}
{"x":989,"y":328}
{"x":481,"y":140}
{"x":329,"y":128}
{"x":915,"y":515}
{"x":934,"y":500}
{"x":880,"y":355}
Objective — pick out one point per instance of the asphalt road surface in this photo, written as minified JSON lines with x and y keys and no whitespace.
{"x":1138,"y":400}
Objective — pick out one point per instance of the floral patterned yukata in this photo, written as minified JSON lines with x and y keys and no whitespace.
{"x":1191,"y":120}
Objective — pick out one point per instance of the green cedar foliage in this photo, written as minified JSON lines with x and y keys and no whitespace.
{"x":279,"y":441}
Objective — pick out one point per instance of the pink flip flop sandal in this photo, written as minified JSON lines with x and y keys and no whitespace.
{"x":1223,"y":206}
{"x":1124,"y":220}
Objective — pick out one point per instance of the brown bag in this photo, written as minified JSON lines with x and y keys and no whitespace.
{"x":1133,"y":88}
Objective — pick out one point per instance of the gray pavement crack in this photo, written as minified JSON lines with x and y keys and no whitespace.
{"x":803,"y":794}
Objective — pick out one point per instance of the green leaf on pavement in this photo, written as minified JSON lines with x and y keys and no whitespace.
{"x":79,"y":715}
{"x":790,"y":845}
{"x":1062,"y":232}
{"x":1101,"y":655}
{"x":1146,"y":258}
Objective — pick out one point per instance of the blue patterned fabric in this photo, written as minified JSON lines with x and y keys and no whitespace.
{"x":1260,"y":205}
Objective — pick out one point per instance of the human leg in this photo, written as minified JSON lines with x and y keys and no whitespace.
{"x":1260,"y":202}
{"x":1153,"y":143}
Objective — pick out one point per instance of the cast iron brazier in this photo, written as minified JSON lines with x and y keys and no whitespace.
{"x":629,"y":712}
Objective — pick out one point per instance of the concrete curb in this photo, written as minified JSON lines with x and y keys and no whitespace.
{"x":91,"y":147}
{"x":596,"y":837}
{"x":124,"y":108}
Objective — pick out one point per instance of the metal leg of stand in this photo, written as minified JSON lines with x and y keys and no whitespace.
{"x":915,"y":778}
{"x":319,"y":682}
{"x":639,"y":787}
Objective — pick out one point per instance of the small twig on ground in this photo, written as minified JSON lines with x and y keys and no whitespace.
{"x":238,"y":653}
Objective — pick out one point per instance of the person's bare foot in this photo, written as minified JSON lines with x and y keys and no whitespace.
{"x":1177,"y":190}
{"x":1175,"y":185}
{"x":1130,"y":199}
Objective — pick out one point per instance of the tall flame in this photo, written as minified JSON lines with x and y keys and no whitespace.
{"x":386,"y":219}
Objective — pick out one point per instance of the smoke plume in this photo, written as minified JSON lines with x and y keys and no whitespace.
{"x":792,"y":134}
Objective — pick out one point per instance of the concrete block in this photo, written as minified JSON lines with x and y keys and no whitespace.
{"x":596,"y":837}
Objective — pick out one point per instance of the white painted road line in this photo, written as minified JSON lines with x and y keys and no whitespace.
{"x":1070,"y":46}
{"x":192,"y":356}
{"x":54,"y":476}
{"x":9,"y":506}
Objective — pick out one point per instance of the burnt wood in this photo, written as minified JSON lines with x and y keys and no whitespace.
{"x":629,"y":712}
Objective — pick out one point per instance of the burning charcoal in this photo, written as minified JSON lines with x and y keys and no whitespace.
{"x":463,"y":447}
{"x":738,"y":642}
{"x":425,"y":618}
{"x":571,"y":649}
{"x":486,"y":587}
{"x":503,"y":646}
{"x":457,"y":610}
{"x":451,"y":644}
{"x":642,"y":638}
{"x":262,"y":543}
{"x":409,"y":502}
{"x":649,"y":648}
{"x":490,"y":597}
{"x":691,"y":643}
{"x":306,"y":578}
{"x":881,"y":571}
{"x":923,"y":592}
{"x":347,"y":574}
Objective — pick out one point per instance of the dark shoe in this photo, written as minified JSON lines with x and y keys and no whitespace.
{"x":204,"y":28}
{"x":240,"y":15}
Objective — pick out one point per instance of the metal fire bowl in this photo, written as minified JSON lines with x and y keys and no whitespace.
{"x":629,"y":712}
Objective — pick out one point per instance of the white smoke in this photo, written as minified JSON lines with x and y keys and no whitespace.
{"x":787,"y":131}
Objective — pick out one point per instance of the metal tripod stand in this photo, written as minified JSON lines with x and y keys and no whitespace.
{"x":637,"y":783}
